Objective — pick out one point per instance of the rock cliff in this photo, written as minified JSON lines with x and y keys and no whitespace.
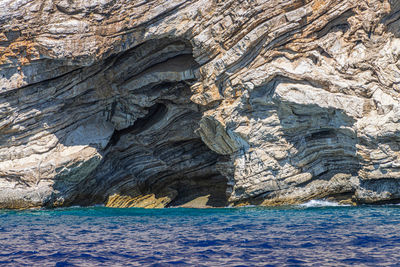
{"x":198,"y":103}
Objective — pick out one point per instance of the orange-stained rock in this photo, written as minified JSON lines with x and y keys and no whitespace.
{"x":220,"y":102}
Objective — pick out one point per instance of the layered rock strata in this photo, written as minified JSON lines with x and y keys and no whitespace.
{"x":198,"y":103}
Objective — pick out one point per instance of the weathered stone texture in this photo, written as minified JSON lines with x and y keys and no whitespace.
{"x":198,"y":103}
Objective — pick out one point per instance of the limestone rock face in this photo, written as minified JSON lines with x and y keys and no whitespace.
{"x":198,"y":103}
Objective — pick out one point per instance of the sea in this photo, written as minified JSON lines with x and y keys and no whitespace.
{"x":317,"y":233}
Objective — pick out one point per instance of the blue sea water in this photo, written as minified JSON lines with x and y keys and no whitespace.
{"x":308,"y":235}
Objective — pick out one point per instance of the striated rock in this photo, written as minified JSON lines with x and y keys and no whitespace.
{"x":198,"y":103}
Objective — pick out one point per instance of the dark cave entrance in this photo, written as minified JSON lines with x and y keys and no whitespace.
{"x":154,"y":152}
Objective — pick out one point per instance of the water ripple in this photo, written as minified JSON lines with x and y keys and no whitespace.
{"x":290,"y":236}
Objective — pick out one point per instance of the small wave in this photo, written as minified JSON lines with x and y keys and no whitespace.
{"x":321,"y":203}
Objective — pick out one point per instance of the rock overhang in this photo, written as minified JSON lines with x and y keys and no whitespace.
{"x":284,"y":102}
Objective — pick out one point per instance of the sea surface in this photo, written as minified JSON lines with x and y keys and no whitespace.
{"x":315,"y":234}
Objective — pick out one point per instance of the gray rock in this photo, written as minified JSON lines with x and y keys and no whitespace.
{"x":198,"y":103}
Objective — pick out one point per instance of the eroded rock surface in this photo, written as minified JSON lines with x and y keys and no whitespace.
{"x":198,"y":103}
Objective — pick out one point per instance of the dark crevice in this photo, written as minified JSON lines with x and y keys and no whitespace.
{"x":327,"y":133}
{"x":211,"y":188}
{"x":154,"y":114}
{"x":338,"y":24}
{"x":323,"y":52}
{"x":384,"y":202}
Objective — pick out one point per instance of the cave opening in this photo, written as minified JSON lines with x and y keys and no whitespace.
{"x":154,"y":158}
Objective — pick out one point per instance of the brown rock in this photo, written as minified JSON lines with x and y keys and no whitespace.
{"x":221,"y":102}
